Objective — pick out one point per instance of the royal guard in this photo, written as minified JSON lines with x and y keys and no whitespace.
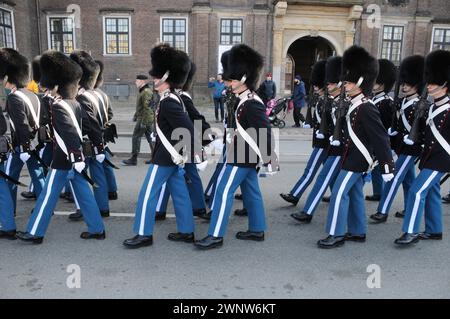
{"x":61,"y":75}
{"x":333,"y":162}
{"x":365,"y":136}
{"x":424,"y":194}
{"x":242,"y":71}
{"x":170,"y":68}
{"x":23,"y":108}
{"x":320,"y":145}
{"x":411,"y":84}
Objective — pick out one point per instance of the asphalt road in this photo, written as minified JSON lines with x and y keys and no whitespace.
{"x":287,"y":264}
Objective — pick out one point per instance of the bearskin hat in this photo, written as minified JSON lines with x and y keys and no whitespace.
{"x":164,"y":59}
{"x":190,"y":79}
{"x":437,"y":68}
{"x":35,"y":67}
{"x":357,"y":63}
{"x":318,"y":74}
{"x":89,"y":67}
{"x":333,"y":70}
{"x":15,"y":67}
{"x":59,"y":70}
{"x":411,"y":71}
{"x":387,"y":74}
{"x":99,"y":81}
{"x":240,"y":61}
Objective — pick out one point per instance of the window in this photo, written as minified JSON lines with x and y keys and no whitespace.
{"x":174,"y":32}
{"x":6,"y":29}
{"x":117,"y":35}
{"x":230,"y":31}
{"x":441,"y":39}
{"x":61,"y":34}
{"x":392,"y":43}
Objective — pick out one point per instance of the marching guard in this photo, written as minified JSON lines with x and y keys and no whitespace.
{"x":170,"y":68}
{"x":242,"y":69}
{"x":364,"y":134}
{"x":93,"y":144}
{"x":61,"y":75}
{"x":333,"y":162}
{"x":424,"y":194}
{"x":23,"y":108}
{"x":320,"y":146}
{"x":411,"y":82}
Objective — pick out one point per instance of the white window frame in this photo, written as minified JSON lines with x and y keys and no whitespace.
{"x":380,"y":45}
{"x":74,"y":35}
{"x":181,"y":17}
{"x":13,"y":25}
{"x":130,"y":37}
{"x":437,"y":26}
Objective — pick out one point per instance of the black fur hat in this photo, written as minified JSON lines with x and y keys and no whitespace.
{"x":333,"y":70}
{"x":89,"y":67}
{"x":224,"y":62}
{"x":15,"y":67}
{"x":437,"y":68}
{"x":99,"y":81}
{"x":190,"y":79}
{"x":36,"y":69}
{"x":165,"y":58}
{"x":411,"y":71}
{"x":387,"y":74}
{"x":242,"y":60}
{"x":356,"y":63}
{"x":59,"y":70}
{"x":318,"y":74}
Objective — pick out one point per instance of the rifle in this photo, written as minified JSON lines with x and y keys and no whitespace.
{"x":327,"y":106}
{"x":341,"y":113}
{"x":395,"y":106}
{"x":312,"y":100}
{"x":421,"y":112}
{"x":11,"y":180}
{"x":445,"y":178}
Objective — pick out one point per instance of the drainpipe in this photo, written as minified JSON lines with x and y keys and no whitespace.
{"x":38,"y":16}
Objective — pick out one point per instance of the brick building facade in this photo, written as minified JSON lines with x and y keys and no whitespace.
{"x":290,"y":34}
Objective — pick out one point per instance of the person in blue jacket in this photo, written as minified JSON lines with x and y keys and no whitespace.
{"x":219,"y":87}
{"x":298,"y":97}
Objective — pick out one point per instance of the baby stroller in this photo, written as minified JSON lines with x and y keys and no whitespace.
{"x":276,"y":111}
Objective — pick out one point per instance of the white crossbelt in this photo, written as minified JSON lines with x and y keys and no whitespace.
{"x":66,"y":107}
{"x":34,"y":115}
{"x":102,"y":100}
{"x":94,"y":101}
{"x":359,"y":145}
{"x":378,"y":99}
{"x":430,"y":122}
{"x":319,"y":119}
{"x":405,"y":106}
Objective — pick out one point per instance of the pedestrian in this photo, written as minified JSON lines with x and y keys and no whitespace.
{"x":267,"y":90}
{"x":144,"y":118}
{"x":298,"y":98}
{"x":218,"y":96}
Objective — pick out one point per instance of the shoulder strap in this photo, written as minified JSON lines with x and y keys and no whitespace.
{"x":93,"y":100}
{"x":105,"y":108}
{"x":27,"y":101}
{"x":430,"y":122}
{"x":66,"y":107}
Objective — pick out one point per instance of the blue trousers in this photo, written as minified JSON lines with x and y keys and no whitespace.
{"x":148,"y":200}
{"x":98,"y":176}
{"x":424,"y":196}
{"x":218,"y":173}
{"x":110,"y":175}
{"x":377,"y":181}
{"x":326,"y":177}
{"x":46,"y":202}
{"x":7,"y":221}
{"x":316,"y":159}
{"x":47,"y":154}
{"x":13,"y":168}
{"x":195,"y":188}
{"x":247,"y":179}
{"x":405,"y":173}
{"x":347,"y":212}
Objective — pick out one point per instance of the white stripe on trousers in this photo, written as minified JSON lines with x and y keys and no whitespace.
{"x":417,"y":201}
{"x":161,"y":197}
{"x":338,"y":203}
{"x":44,"y":203}
{"x":146,"y":196}
{"x":224,"y":201}
{"x":311,"y":170}
{"x":77,"y":205}
{"x":394,"y":183}
{"x":324,"y":185}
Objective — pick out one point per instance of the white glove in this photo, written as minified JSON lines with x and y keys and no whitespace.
{"x":100,"y":158}
{"x":79,"y":166}
{"x":306,"y":126}
{"x":407,"y":141}
{"x":153,"y":137}
{"x":320,"y":136}
{"x":24,"y":157}
{"x":392,"y":132}
{"x":387,"y":177}
{"x":201,"y":167}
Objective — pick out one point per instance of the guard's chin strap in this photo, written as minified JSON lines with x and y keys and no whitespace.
{"x":241,"y":83}
{"x":357,"y":86}
{"x":437,"y":89}
{"x":162,"y":80}
{"x":338,"y":87}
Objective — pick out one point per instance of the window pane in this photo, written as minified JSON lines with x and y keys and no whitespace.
{"x":56,"y":42}
{"x":111,"y":43}
{"x":438,"y":35}
{"x":398,"y":33}
{"x":110,"y":25}
{"x":387,"y":33}
{"x":7,"y":18}
{"x":167,"y":25}
{"x":225,"y":39}
{"x":123,"y":25}
{"x":180,"y":26}
{"x":168,"y":39}
{"x":9,"y":38}
{"x":123,"y":44}
{"x":447,"y":36}
{"x":237,"y":39}
{"x":180,"y":42}
{"x":2,"y":37}
{"x":237,"y":26}
{"x":226,"y":26}
{"x":1,"y":16}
